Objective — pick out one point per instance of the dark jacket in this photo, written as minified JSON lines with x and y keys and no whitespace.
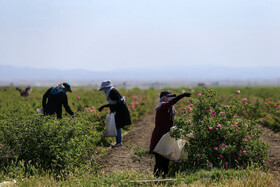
{"x":122,"y":116}
{"x":164,"y":121}
{"x":55,"y":102}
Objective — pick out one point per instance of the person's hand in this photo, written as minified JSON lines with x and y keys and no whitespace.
{"x":187,"y":94}
{"x":100,"y":108}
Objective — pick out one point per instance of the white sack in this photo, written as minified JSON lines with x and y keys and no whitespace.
{"x":171,"y":148}
{"x":111,"y":129}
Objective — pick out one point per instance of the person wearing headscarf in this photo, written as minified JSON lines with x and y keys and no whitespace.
{"x":54,"y":98}
{"x":165,"y":113}
{"x":116,"y":103}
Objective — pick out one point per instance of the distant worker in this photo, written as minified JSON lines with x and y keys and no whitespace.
{"x":56,"y":98}
{"x":165,"y":113}
{"x":116,"y":104}
{"x":26,"y":92}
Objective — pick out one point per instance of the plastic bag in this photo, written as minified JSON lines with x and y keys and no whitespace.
{"x":111,"y":129}
{"x":40,"y":110}
{"x":171,"y":148}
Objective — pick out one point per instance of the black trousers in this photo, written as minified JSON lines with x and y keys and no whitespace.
{"x":161,"y":166}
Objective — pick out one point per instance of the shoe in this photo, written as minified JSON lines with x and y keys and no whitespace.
{"x":117,"y":145}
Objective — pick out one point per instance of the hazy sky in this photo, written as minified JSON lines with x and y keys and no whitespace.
{"x":110,"y":34}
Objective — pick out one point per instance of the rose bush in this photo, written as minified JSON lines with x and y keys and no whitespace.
{"x":224,"y":136}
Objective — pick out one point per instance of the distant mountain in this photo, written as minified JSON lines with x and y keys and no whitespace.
{"x":192,"y":73}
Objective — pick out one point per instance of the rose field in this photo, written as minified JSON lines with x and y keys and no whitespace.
{"x":234,"y":139}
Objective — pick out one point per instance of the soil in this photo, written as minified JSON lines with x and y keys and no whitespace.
{"x":120,"y":158}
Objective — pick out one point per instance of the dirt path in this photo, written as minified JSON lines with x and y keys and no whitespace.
{"x":119,"y":159}
{"x":273,"y":140}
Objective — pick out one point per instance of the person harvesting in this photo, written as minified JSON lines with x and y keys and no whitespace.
{"x":165,"y":113}
{"x":116,"y":104}
{"x":54,"y":98}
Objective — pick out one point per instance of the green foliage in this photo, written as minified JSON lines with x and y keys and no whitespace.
{"x":29,"y":140}
{"x":224,"y":135}
{"x":58,"y":145}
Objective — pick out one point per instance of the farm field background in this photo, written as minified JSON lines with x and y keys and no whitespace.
{"x":38,"y":150}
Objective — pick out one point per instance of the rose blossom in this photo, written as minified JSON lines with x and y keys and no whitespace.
{"x":238,"y":91}
{"x":219,"y":125}
{"x":199,"y":95}
{"x":245,"y":99}
{"x":210,"y":128}
{"x":226,"y":165}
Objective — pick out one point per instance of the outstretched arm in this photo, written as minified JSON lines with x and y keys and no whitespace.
{"x":175,"y":100}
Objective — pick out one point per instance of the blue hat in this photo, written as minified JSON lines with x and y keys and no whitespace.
{"x":105,"y":84}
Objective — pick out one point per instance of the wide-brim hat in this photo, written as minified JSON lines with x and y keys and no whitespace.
{"x":167,"y":93}
{"x":105,"y":84}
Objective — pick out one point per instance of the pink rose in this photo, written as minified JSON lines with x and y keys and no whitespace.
{"x":210,"y":128}
{"x":245,"y":140}
{"x":213,"y":113}
{"x":226,"y":165}
{"x":211,"y":163}
{"x":216,"y":148}
{"x":245,"y":99}
{"x":199,"y":95}
{"x":190,"y":108}
{"x":244,"y":152}
{"x":78,"y":97}
{"x":219,"y":125}
{"x":221,"y":156}
{"x":255,"y":135}
{"x":238,"y":91}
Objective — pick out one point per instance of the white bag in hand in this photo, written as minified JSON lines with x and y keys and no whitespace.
{"x":111,"y":129}
{"x":40,"y":110}
{"x":171,"y":148}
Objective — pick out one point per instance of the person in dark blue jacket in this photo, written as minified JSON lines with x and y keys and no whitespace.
{"x":57,"y":97}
